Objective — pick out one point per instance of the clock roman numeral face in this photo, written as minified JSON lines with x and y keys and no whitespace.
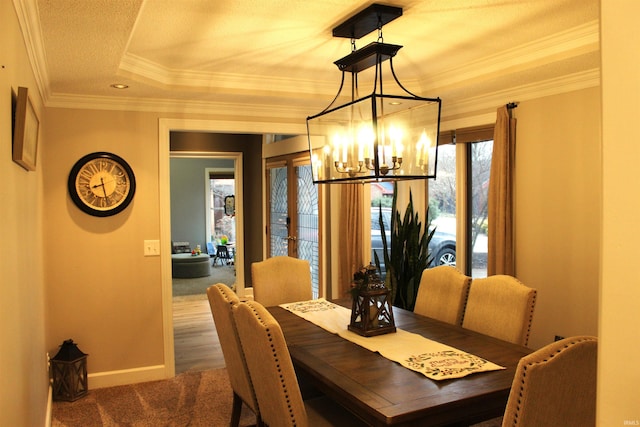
{"x":101,"y":184}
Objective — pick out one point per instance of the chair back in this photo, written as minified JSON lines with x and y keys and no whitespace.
{"x":222,"y":300}
{"x":502,"y":307}
{"x":222,"y":252}
{"x":555,"y":386}
{"x":210,"y":249}
{"x":272,"y":373}
{"x":442,"y":294}
{"x":281,"y":280}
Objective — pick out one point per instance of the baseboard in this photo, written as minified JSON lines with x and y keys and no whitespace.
{"x":49,"y":415}
{"x":126,"y":376}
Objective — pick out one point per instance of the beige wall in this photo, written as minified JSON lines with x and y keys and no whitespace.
{"x":618,"y":371}
{"x":104,"y":294}
{"x":23,"y":394}
{"x":558,"y":192}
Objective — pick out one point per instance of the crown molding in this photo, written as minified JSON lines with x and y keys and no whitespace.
{"x":27,"y":14}
{"x":555,"y":86}
{"x":297,"y":114}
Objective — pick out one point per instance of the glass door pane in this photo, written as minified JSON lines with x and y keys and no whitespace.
{"x":307,"y":221}
{"x":278,"y":211}
{"x":442,"y":208}
{"x":293,"y":212}
{"x":481,"y":153}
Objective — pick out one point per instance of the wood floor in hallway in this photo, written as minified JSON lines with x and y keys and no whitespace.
{"x":196,"y":345}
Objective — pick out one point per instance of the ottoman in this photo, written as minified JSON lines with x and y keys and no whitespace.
{"x":187,"y":265}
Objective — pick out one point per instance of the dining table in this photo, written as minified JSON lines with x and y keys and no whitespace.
{"x":382,"y":392}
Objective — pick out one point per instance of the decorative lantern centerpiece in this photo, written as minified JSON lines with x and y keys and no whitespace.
{"x":371,"y":310}
{"x":69,"y":372}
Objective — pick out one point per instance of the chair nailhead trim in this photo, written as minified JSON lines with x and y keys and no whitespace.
{"x":524,"y":375}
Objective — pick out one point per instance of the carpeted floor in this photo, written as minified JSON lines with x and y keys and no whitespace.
{"x":198,"y":285}
{"x":190,"y":399}
{"x":193,"y":398}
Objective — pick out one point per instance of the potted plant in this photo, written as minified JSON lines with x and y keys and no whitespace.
{"x":406,"y":252}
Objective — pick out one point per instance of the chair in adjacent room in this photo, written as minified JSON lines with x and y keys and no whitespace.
{"x":222,"y":255}
{"x":274,"y":378}
{"x":281,"y":280}
{"x":555,"y":386}
{"x":500,"y":306}
{"x":442,"y":294}
{"x":212,"y":252}
{"x":221,"y":300}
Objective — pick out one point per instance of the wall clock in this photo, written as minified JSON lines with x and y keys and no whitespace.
{"x":101,"y":184}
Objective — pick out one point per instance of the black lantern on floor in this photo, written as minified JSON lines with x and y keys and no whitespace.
{"x":371,"y":310}
{"x":69,"y":372}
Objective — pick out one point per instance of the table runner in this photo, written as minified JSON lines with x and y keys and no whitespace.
{"x":431,"y":358}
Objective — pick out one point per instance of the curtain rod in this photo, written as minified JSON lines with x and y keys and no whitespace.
{"x":511,"y":105}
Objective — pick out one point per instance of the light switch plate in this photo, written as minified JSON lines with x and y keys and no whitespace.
{"x":151,"y":247}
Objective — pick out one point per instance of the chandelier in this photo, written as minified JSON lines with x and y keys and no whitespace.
{"x":380,"y":136}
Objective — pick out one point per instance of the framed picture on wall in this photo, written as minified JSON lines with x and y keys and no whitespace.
{"x":25,"y":131}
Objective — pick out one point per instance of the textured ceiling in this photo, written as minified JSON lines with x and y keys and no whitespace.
{"x":275,"y":57}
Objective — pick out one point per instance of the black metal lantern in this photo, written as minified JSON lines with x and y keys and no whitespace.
{"x":383,"y":136}
{"x":69,"y":372}
{"x":371,"y":310}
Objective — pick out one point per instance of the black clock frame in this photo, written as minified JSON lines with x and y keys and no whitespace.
{"x":71,"y":184}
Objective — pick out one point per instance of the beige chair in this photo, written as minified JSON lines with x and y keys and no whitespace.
{"x":500,"y":306}
{"x":221,"y":300}
{"x":442,"y":294}
{"x":274,"y":378}
{"x":281,"y":280}
{"x":555,"y":386}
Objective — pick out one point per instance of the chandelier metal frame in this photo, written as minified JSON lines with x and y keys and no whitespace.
{"x":382,"y":153}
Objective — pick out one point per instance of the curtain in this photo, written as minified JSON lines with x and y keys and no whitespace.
{"x":501,"y":257}
{"x":351,"y":235}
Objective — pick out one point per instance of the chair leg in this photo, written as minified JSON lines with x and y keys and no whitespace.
{"x":236,"y":410}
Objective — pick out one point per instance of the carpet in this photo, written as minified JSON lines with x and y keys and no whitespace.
{"x":198,"y":285}
{"x":193,"y":398}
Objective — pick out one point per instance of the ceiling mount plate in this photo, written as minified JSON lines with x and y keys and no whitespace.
{"x":366,"y":21}
{"x":367,"y":56}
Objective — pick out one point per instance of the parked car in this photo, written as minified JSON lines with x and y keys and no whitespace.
{"x":442,"y":246}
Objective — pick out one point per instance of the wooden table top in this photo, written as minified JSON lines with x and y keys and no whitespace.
{"x":384,"y":393}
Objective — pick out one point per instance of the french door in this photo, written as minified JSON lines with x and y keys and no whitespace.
{"x":293,"y":221}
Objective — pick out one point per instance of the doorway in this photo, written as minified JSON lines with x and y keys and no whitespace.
{"x":165,"y":128}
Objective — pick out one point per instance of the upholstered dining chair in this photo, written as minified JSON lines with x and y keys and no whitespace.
{"x":221,"y":300}
{"x":555,"y":386}
{"x":280,"y":280}
{"x":274,"y":378}
{"x":500,"y":306}
{"x":442,"y":294}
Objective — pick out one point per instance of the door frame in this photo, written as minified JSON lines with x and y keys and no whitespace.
{"x":165,"y":127}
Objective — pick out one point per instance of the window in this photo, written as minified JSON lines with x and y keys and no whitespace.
{"x":222,"y":224}
{"x":442,"y":246}
{"x":458,"y":197}
{"x":458,"y":200}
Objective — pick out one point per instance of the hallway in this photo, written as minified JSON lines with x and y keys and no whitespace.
{"x":196,"y":345}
